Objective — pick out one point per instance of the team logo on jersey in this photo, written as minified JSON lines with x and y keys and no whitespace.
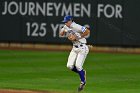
{"x":83,"y":29}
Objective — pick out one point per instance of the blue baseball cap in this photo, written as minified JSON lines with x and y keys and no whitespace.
{"x":67,"y":18}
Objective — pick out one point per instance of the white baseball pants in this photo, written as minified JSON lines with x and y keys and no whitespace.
{"x":77,"y":57}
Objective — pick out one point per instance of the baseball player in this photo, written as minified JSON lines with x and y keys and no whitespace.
{"x":76,"y":33}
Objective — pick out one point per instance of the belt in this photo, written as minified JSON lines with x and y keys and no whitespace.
{"x":77,"y":46}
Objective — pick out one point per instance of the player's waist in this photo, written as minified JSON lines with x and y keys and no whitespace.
{"x":79,"y":45}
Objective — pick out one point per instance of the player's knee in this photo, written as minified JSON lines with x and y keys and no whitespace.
{"x":70,"y":66}
{"x":79,"y":68}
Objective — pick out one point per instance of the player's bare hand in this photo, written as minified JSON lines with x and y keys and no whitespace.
{"x":61,"y":33}
{"x":71,"y":37}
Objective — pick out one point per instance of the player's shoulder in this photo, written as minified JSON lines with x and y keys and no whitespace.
{"x":74,"y":25}
{"x":78,"y":27}
{"x":65,"y":27}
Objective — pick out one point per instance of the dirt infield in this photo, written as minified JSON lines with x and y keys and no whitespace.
{"x":42,"y":47}
{"x":22,"y":91}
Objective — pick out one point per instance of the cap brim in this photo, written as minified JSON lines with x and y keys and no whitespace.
{"x":64,"y":21}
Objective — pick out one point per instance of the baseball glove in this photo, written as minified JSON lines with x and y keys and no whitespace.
{"x":72,"y":37}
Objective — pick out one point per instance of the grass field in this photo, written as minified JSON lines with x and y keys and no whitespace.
{"x":46,"y":70}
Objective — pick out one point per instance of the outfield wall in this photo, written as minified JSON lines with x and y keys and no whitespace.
{"x":112,"y":22}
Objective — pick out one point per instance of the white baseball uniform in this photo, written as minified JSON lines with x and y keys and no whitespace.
{"x":80,"y":49}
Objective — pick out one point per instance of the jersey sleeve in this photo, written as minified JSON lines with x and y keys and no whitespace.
{"x":79,"y":28}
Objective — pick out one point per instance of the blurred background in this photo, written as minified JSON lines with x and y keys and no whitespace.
{"x":35,"y":25}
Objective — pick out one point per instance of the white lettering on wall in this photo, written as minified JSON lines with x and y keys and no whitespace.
{"x":9,"y":7}
{"x":21,"y":10}
{"x":57,"y":8}
{"x":54,"y":29}
{"x":31,"y":8}
{"x":66,"y":10}
{"x":76,"y":9}
{"x":109,"y":11}
{"x":47,"y":9}
{"x":40,"y":9}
